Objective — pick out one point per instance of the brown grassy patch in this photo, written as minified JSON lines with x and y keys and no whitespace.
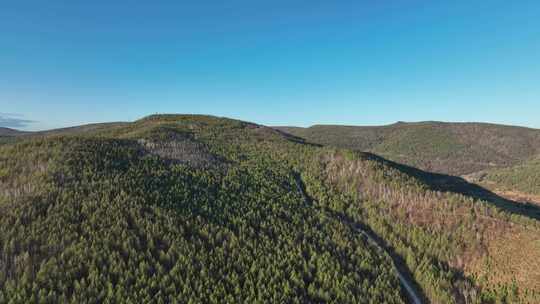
{"x":513,"y":256}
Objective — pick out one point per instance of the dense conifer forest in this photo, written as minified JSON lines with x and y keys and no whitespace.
{"x":447,"y":148}
{"x":201,"y":209}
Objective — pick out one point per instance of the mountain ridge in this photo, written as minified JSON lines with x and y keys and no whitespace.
{"x":442,"y":147}
{"x":399,"y":122}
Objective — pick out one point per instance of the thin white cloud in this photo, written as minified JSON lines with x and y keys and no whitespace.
{"x":14,"y":120}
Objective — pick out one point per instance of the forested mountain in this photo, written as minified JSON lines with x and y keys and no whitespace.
{"x":449,"y":148}
{"x":523,"y":178}
{"x":201,"y":209}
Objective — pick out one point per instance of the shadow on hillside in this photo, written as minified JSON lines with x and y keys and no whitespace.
{"x":449,"y":183}
{"x":296,"y":139}
{"x":398,"y":261}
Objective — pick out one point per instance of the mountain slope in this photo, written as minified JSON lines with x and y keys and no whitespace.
{"x":450,"y":148}
{"x":154,"y":212}
{"x":522,"y":178}
{"x":184,"y":208}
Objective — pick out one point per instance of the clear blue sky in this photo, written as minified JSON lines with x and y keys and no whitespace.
{"x":272,"y":62}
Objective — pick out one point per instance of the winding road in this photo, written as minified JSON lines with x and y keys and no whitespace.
{"x":412,"y":294}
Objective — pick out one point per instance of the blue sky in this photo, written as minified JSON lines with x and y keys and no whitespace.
{"x":273,"y":62}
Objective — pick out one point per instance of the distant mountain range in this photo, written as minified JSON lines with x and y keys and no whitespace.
{"x":61,"y":131}
{"x":10,"y":132}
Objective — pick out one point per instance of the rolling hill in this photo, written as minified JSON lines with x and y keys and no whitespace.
{"x":449,"y":148}
{"x":523,"y":178}
{"x":203,"y":209}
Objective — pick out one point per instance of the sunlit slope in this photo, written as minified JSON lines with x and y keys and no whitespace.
{"x":442,"y":235}
{"x":522,"y":178}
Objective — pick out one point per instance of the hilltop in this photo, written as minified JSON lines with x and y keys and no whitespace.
{"x":194,"y":208}
{"x":449,"y":148}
